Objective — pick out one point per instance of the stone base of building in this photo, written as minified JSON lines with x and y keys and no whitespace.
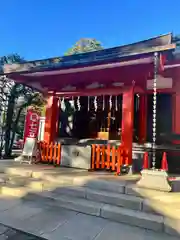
{"x":154,"y":179}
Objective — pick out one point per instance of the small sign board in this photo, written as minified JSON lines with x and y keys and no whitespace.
{"x":161,"y":83}
{"x":31,"y":125}
{"x":30,"y":147}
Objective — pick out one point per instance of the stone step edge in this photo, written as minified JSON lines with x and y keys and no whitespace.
{"x":76,"y":180}
{"x":18,"y":171}
{"x":116,"y":199}
{"x":114,"y":213}
{"x":100,"y":196}
{"x":132,"y":202}
{"x":129,"y":189}
{"x":60,"y":178}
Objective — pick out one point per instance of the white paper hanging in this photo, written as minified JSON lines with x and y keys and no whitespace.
{"x":110,"y":102}
{"x":116,"y":103}
{"x":95,"y":103}
{"x":78,"y":104}
{"x":103,"y":103}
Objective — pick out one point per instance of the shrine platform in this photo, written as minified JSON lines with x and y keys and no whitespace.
{"x":101,"y":194}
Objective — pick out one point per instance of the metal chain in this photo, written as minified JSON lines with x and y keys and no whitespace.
{"x":154,"y":115}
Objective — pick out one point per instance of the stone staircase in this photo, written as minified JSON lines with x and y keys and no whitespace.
{"x":114,"y":198}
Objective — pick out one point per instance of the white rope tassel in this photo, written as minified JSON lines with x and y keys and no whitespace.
{"x":95,"y":103}
{"x":116,"y":103}
{"x":73,"y":103}
{"x":78,"y":104}
{"x":103,"y":103}
{"x":110,"y":102}
{"x":88,"y":107}
{"x":154,"y":115}
{"x":63,"y":104}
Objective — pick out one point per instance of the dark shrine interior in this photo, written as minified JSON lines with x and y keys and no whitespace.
{"x":88,"y":121}
{"x":85,"y":123}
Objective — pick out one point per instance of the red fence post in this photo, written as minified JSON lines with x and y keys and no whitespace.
{"x":119,"y":160}
{"x":51,"y":152}
{"x":93,"y":156}
{"x":113,"y":162}
{"x":98,"y":154}
{"x":58,"y":154}
{"x":103,"y":157}
{"x":108,"y":152}
{"x":55,"y":153}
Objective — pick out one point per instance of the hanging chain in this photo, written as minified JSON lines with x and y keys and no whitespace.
{"x":154,"y":117}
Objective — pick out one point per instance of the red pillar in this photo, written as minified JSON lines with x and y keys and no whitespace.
{"x":176,"y":112}
{"x":176,"y":103}
{"x":51,"y":121}
{"x":128,"y":121}
{"x":142,"y":118}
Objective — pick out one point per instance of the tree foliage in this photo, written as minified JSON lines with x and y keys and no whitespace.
{"x":5,"y":87}
{"x":20,"y":98}
{"x":85,"y":45}
{"x":16,"y":98}
{"x":176,"y":40}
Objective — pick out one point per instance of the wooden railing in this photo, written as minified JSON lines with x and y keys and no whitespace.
{"x":50,"y":153}
{"x":108,"y":157}
{"x":105,"y":157}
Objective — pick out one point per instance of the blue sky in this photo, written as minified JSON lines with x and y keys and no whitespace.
{"x":45,"y":28}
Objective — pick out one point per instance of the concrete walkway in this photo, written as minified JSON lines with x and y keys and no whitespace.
{"x":10,"y":233}
{"x":60,"y":224}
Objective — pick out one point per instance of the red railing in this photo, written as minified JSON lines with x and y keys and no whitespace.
{"x":50,"y":153}
{"x":105,"y":157}
{"x":108,"y":157}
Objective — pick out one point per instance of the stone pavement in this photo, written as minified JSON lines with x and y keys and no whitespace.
{"x":13,"y":234}
{"x":59,"y":224}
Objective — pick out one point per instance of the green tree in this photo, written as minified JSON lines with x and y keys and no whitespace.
{"x":15,"y":109}
{"x":85,"y":45}
{"x":176,"y":40}
{"x":18,"y":98}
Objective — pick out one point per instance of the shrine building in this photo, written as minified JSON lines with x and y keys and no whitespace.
{"x":107,"y":96}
